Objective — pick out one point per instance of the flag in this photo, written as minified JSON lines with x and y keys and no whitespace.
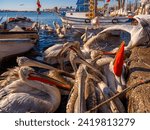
{"x":119,"y":59}
{"x":38,"y":6}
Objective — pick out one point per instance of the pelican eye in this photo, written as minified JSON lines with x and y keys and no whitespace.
{"x":21,"y":60}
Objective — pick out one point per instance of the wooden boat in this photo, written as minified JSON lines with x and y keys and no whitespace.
{"x":9,"y":47}
{"x":17,"y":35}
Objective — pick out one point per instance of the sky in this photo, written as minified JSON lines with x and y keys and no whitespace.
{"x":31,"y":4}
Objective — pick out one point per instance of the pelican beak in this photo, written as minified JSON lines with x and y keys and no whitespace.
{"x":66,"y":46}
{"x":92,"y":67}
{"x":48,"y":80}
{"x":41,"y":64}
{"x":78,"y":51}
{"x":81,"y":98}
{"x":119,"y":60}
{"x":81,"y":91}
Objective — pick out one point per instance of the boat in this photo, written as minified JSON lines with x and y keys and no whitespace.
{"x":17,"y":35}
{"x":86,"y":10}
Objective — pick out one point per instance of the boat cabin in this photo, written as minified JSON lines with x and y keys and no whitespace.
{"x":82,"y":6}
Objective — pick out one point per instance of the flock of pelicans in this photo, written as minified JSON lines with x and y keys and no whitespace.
{"x":92,"y":77}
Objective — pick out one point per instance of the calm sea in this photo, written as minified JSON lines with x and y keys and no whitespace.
{"x":44,"y":17}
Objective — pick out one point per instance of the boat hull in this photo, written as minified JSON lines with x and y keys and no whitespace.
{"x":80,"y":19}
{"x":19,"y":35}
{"x":14,"y":46}
{"x":76,"y":21}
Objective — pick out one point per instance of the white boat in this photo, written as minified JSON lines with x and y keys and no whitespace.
{"x":9,"y":47}
{"x":17,"y":35}
{"x":85,"y":12}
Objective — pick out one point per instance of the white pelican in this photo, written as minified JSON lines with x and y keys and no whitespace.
{"x":82,"y":96}
{"x":61,"y":31}
{"x":76,"y":56}
{"x":50,"y":54}
{"x":9,"y":76}
{"x":27,"y":95}
{"x":65,"y":78}
{"x":95,"y":22}
{"x":118,"y":69}
{"x":86,"y":36}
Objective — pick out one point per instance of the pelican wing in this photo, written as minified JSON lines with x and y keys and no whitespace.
{"x":53,"y":48}
{"x":126,"y":28}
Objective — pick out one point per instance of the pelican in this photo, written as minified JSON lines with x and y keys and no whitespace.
{"x":95,"y":22}
{"x":117,"y":68}
{"x":104,"y":91}
{"x":12,"y":74}
{"x":83,"y":95}
{"x":89,"y":90}
{"x":49,"y":28}
{"x":86,"y":53}
{"x":145,"y":6}
{"x":57,"y":27}
{"x":86,"y":36}
{"x":26,"y":95}
{"x":50,"y":54}
{"x":116,"y":105}
{"x":140,"y":34}
{"x":76,"y":56}
{"x":61,"y":32}
{"x":46,"y":27}
{"x":114,"y":69}
{"x":9,"y":76}
{"x":65,"y":78}
{"x":64,"y":30}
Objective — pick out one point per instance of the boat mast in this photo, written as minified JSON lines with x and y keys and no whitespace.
{"x":135,"y":5}
{"x":123,"y":3}
{"x":119,"y":4}
{"x":96,"y":3}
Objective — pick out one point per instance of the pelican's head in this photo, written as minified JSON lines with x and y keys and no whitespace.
{"x":25,"y":71}
{"x":22,"y":61}
{"x":28,"y":73}
{"x":69,"y":45}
